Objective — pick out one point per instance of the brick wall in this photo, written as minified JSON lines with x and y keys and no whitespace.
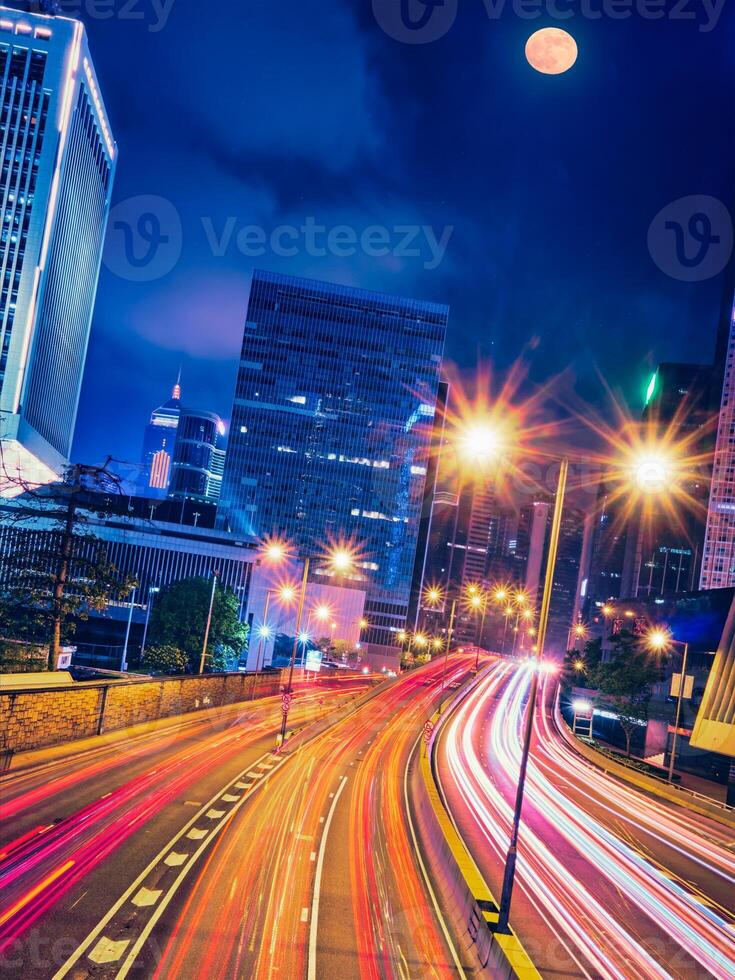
{"x":35,"y":719}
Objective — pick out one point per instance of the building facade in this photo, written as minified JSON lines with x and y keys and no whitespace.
{"x":57,"y":163}
{"x":199,"y":456}
{"x":718,"y":560}
{"x":331,"y":430}
{"x":159,"y":442}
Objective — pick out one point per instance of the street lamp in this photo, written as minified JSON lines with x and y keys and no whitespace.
{"x":153,"y":590}
{"x":661,"y":641}
{"x":511,"y":858}
{"x":340,"y":559}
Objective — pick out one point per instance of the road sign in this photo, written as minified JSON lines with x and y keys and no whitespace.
{"x":428,"y":731}
{"x":285,"y":702}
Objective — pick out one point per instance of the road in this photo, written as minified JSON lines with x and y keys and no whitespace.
{"x":75,"y":824}
{"x":611,"y":882}
{"x":193,"y":852}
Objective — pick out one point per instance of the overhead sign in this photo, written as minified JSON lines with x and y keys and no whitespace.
{"x":314,"y":660}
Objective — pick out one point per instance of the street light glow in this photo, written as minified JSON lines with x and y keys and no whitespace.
{"x":323,"y":613}
{"x":653,"y":473}
{"x":433,"y":595}
{"x":287,"y":593}
{"x":658,"y":640}
{"x":480,"y":442}
{"x":265,"y":632}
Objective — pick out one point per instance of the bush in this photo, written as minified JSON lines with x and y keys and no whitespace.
{"x":224,"y":658}
{"x":22,"y":658}
{"x":165,"y":660}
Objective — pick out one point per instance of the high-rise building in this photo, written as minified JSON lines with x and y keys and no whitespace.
{"x":332,"y":427}
{"x":718,"y":561}
{"x":57,"y":162}
{"x":158,"y":446}
{"x":199,"y":456}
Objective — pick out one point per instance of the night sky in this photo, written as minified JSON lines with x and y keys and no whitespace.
{"x":280,"y":112}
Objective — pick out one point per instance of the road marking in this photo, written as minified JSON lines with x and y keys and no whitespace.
{"x":161,"y":906}
{"x":106,"y":795}
{"x":229,"y":798}
{"x":243,"y":785}
{"x":255,"y":775}
{"x":214,"y":814}
{"x":192,"y":803}
{"x":108,"y":951}
{"x":196,"y":834}
{"x":304,"y":915}
{"x":146,"y":897}
{"x":312,"y":856}
{"x":314,"y":927}
{"x":174,"y":860}
{"x":267,"y":765}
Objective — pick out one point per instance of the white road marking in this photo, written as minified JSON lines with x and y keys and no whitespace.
{"x":214,"y":814}
{"x":146,"y":897}
{"x":196,"y":834}
{"x":174,"y":860}
{"x":229,"y":798}
{"x":108,"y":951}
{"x":314,"y":927}
{"x":312,"y":856}
{"x":304,"y":915}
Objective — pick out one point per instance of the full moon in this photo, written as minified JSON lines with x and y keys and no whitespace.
{"x":551,"y":51}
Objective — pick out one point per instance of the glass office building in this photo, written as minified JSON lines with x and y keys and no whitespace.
{"x":331,"y":429}
{"x":57,"y":161}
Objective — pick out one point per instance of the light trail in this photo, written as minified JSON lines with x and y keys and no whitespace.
{"x":571,"y":892}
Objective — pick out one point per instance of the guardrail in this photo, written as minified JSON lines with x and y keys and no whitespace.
{"x":687,"y":798}
{"x":469,"y":901}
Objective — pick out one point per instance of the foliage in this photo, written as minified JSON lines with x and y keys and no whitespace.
{"x":55,"y":570}
{"x":21,"y":658}
{"x":578,"y":666}
{"x":223,"y":658}
{"x":179,"y":619}
{"x":165,"y":660}
{"x":624,"y":683}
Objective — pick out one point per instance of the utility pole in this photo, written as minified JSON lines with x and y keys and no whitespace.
{"x":74,"y":482}
{"x":450,"y":633}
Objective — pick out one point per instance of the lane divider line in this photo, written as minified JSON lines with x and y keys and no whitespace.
{"x":314,"y":926}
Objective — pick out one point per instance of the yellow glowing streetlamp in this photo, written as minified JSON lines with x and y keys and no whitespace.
{"x":340,"y":558}
{"x":661,"y":640}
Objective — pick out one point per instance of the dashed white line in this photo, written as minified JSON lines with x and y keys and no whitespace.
{"x":314,"y":928}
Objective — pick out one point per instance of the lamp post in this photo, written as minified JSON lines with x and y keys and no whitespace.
{"x":209,"y":623}
{"x":510,"y":862}
{"x":151,"y":592}
{"x":450,"y":632}
{"x":124,"y":661}
{"x":660,"y":640}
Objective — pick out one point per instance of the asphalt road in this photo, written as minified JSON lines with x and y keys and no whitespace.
{"x":611,"y":882}
{"x":192,"y":850}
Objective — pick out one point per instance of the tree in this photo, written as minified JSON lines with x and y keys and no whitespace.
{"x":54,"y":570}
{"x":179,"y":619}
{"x":165,"y":660}
{"x":579,"y":666}
{"x":624,"y":683}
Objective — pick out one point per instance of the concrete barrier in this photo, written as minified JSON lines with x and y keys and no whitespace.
{"x":470,"y":903}
{"x":37,"y":718}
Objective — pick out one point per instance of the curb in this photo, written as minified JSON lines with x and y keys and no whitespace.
{"x":649,"y":784}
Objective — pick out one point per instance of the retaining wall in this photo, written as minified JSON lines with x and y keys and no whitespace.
{"x":34,"y":719}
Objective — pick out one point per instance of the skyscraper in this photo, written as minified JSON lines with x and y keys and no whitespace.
{"x":718,"y":560}
{"x":57,"y":162}
{"x":332,"y":426}
{"x":158,"y":445}
{"x":199,"y":456}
